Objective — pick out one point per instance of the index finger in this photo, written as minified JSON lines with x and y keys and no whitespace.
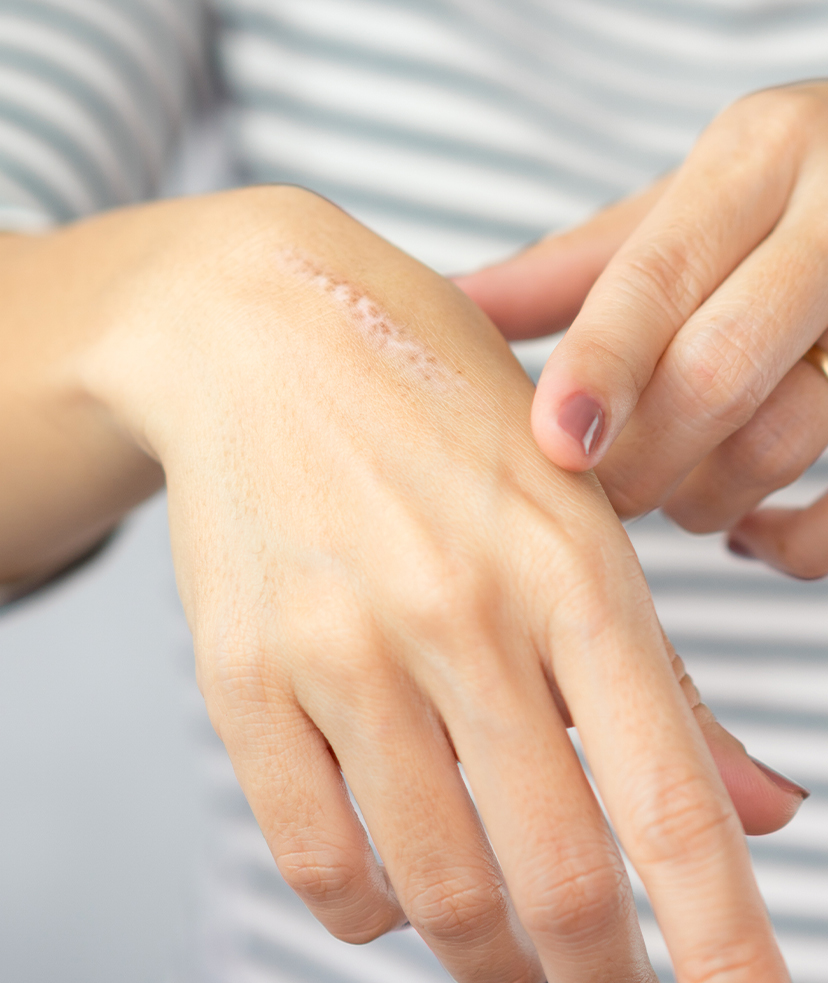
{"x":723,"y":201}
{"x":657,"y":779}
{"x":659,"y":783}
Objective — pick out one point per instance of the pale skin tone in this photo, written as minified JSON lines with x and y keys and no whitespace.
{"x":383,"y":574}
{"x":692,"y":305}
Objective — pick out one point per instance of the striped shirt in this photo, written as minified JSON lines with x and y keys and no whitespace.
{"x":460,"y":130}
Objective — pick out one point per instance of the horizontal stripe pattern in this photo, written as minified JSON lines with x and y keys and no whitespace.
{"x":495,"y":122}
{"x":93,"y":95}
{"x":459,"y":129}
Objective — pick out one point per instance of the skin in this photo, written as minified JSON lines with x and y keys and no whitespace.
{"x":383,"y":575}
{"x":691,"y":306}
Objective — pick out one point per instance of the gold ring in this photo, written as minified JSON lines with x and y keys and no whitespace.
{"x":817,"y":357}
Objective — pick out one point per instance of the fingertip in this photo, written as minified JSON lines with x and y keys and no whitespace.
{"x":467,"y":282}
{"x":536,"y":292}
{"x":763,"y":804}
{"x":738,"y":547}
{"x":787,"y":785}
{"x":783,"y":539}
{"x":755,"y":536}
{"x":486,"y":286}
{"x":508,"y":293}
{"x":765,"y":800}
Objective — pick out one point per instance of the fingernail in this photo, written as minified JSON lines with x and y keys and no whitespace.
{"x":786,"y":784}
{"x":401,"y":928}
{"x":583,"y":419}
{"x":739,"y":548}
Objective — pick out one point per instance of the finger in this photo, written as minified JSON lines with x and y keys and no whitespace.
{"x":764,"y":799}
{"x":296,"y":791}
{"x":541,"y":289}
{"x":403,"y":772}
{"x":655,"y":775}
{"x":783,"y":439}
{"x":729,"y":357}
{"x":565,"y":875}
{"x":794,"y":541}
{"x":718,"y":207}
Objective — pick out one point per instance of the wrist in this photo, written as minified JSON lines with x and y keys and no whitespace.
{"x":70,"y":472}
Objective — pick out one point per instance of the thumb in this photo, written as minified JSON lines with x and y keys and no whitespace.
{"x":541,"y":289}
{"x":764,"y":799}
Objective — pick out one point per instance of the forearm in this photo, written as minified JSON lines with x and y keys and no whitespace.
{"x":69,"y":472}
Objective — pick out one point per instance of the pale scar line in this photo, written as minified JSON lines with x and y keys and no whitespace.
{"x":375,"y":325}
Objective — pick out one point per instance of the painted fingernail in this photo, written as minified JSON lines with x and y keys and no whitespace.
{"x":785,"y":783}
{"x":739,"y":548}
{"x":403,"y":927}
{"x":583,"y":419}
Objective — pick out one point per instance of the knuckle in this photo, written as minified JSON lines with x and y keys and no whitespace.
{"x":360,"y":934}
{"x":735,"y":960}
{"x":630,"y":499}
{"x":581,"y":900}
{"x":675,"y":269}
{"x":330,"y":625}
{"x":326,"y":615}
{"x":442,"y":592}
{"x":587,"y":579}
{"x":723,"y":377}
{"x":771,"y":122}
{"x":333,"y":890}
{"x":448,"y":606}
{"x":322,"y":878}
{"x":237,"y":675}
{"x":783,"y":114}
{"x":458,"y":910}
{"x":255,"y":661}
{"x":595,"y":348}
{"x":676,"y":820}
{"x":760,"y":455}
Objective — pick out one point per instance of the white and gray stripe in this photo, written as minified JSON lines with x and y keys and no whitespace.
{"x":459,"y":129}
{"x":93,"y":94}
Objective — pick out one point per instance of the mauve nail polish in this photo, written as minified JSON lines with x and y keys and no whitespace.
{"x":739,"y":549}
{"x":786,"y":784}
{"x":583,"y":419}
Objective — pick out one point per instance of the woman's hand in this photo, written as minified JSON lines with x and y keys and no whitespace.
{"x":681,"y":378}
{"x":384,"y":576}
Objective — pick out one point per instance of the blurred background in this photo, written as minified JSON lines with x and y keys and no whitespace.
{"x":101,"y":820}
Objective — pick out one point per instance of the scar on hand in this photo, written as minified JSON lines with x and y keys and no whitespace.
{"x":377,"y":327}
